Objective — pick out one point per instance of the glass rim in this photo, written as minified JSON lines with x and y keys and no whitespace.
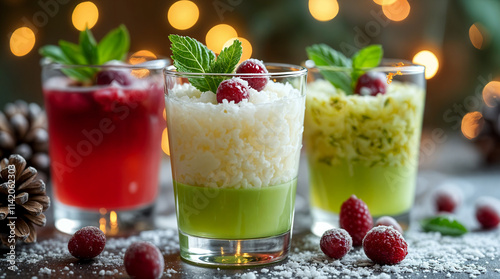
{"x":156,"y":64}
{"x":292,"y":71}
{"x":407,"y":68}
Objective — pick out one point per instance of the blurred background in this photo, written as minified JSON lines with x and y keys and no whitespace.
{"x":458,"y":41}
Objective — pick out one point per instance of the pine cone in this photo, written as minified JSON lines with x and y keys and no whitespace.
{"x":29,"y":202}
{"x":23,"y":131}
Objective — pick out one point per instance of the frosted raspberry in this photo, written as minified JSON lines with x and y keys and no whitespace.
{"x":335,"y":243}
{"x":234,"y":89}
{"x":385,"y":245}
{"x":143,"y":260}
{"x":355,"y":218}
{"x":87,"y":243}
{"x":488,"y":212}
{"x":447,"y":198}
{"x":371,"y":84}
{"x":106,"y":77}
{"x":389,"y":222}
{"x":254,"y":66}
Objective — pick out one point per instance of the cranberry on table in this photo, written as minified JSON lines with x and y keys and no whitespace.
{"x":371,"y":84}
{"x":335,"y":243}
{"x":448,"y":198}
{"x":356,"y":219}
{"x":87,"y":243}
{"x":389,"y":222}
{"x":385,"y":245}
{"x":106,"y":77}
{"x":143,"y":260}
{"x":234,"y":89}
{"x":488,"y":212}
{"x":253,"y":66}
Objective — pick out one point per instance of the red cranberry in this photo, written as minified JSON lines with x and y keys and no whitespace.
{"x":356,"y":219}
{"x":385,"y":245}
{"x":253,"y":66}
{"x":143,"y":260}
{"x":488,"y":212}
{"x":234,"y":89}
{"x":87,"y":243}
{"x":447,"y":198}
{"x":106,"y":77}
{"x":335,"y":243}
{"x":371,"y":84}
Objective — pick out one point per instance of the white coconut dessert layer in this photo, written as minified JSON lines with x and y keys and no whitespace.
{"x":254,"y":143}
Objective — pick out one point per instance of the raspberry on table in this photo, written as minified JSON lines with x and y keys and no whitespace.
{"x":389,"y":222}
{"x":87,"y":243}
{"x":356,"y":219}
{"x":488,"y":212}
{"x":143,"y":260}
{"x":371,"y":84}
{"x":335,"y":243}
{"x":106,"y":77}
{"x":234,"y":89}
{"x":447,"y":198}
{"x":253,"y":66}
{"x":385,"y":245}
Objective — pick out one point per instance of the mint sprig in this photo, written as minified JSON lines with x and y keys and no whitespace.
{"x":191,"y":56}
{"x":114,"y":46}
{"x":345,"y":72}
{"x":446,"y":225}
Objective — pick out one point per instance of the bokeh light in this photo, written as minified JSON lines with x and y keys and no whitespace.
{"x":247,"y":48}
{"x":429,"y":60}
{"x":22,"y":41}
{"x":323,"y":10}
{"x":183,"y":14}
{"x":478,"y":35}
{"x":164,"y":142}
{"x":491,"y":94}
{"x":139,"y":57}
{"x":384,"y":2}
{"x":397,"y":11}
{"x":472,"y":123}
{"x":84,"y":15}
{"x":218,"y":35}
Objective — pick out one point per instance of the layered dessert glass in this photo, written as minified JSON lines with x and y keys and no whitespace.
{"x":235,"y":166}
{"x":105,"y":140}
{"x":362,"y":144}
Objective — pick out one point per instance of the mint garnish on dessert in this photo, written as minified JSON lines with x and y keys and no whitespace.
{"x":114,"y":46}
{"x":444,"y":224}
{"x":191,"y":56}
{"x":344,"y":72}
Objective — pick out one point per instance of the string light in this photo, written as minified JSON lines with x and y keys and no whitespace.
{"x":472,"y":123}
{"x":183,"y":14}
{"x":477,"y":35}
{"x":22,"y":41}
{"x":397,"y":11}
{"x":429,"y":60}
{"x":138,"y":57}
{"x":84,"y":15}
{"x":491,"y":94}
{"x":247,"y":48}
{"x":323,"y":10}
{"x":164,"y":142}
{"x":384,"y":2}
{"x":218,"y":35}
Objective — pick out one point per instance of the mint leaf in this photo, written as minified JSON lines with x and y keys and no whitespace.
{"x":54,"y":53}
{"x":323,"y":55}
{"x":191,"y":56}
{"x":73,"y":52}
{"x":226,"y":61}
{"x":114,"y":46}
{"x":444,"y":224}
{"x":367,"y":57}
{"x":89,"y":47}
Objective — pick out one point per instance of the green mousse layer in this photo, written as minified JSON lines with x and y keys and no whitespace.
{"x":387,"y":190}
{"x":228,"y":213}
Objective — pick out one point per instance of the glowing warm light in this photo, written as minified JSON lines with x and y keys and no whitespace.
{"x":183,"y":14}
{"x":102,"y":210}
{"x":84,"y":15}
{"x":218,"y":35}
{"x":164,"y":142}
{"x":472,"y":123}
{"x":429,"y":60}
{"x":247,"y":48}
{"x":476,"y":35}
{"x":491,"y":94}
{"x":102,"y":225}
{"x":323,"y":10}
{"x":397,"y":11}
{"x":22,"y":41}
{"x":165,"y":114}
{"x":141,"y":56}
{"x":384,"y":2}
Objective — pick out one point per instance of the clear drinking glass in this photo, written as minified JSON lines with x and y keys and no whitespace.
{"x":104,"y":145}
{"x":235,"y":166}
{"x":364,"y":145}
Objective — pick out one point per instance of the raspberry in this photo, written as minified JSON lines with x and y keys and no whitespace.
{"x":371,"y":84}
{"x":355,"y":218}
{"x":488,"y":212}
{"x":385,"y":245}
{"x":234,"y":89}
{"x":448,"y":198}
{"x":106,"y":77}
{"x":253,"y":66}
{"x":87,"y":243}
{"x":143,"y":260}
{"x":389,"y":222}
{"x":335,"y":243}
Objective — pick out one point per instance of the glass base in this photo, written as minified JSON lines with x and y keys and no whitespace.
{"x":69,"y":219}
{"x":234,"y":253}
{"x":324,"y":220}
